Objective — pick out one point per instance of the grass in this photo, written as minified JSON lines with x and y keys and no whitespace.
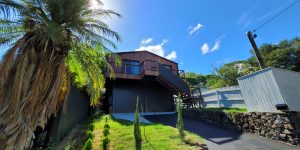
{"x":155,"y":136}
{"x":226,"y":109}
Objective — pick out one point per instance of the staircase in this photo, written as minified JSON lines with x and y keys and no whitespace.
{"x":173,"y":82}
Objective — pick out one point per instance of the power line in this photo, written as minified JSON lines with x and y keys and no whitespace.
{"x":295,"y":2}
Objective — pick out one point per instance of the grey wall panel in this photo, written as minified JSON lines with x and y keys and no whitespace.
{"x":77,"y":110}
{"x":152,"y":98}
{"x":260,"y":91}
{"x":124,"y":98}
{"x":289,"y":85}
{"x":227,"y":97}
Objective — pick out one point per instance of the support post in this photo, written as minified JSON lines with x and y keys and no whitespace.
{"x":219,"y":103}
{"x":255,"y":50}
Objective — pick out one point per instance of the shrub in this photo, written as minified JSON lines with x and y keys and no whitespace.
{"x":106,"y":126}
{"x":91,"y":127}
{"x":105,"y":143}
{"x":89,"y":134}
{"x":106,"y":131}
{"x":137,"y":130}
{"x":88,"y":144}
{"x":179,"y":124}
{"x":51,"y":145}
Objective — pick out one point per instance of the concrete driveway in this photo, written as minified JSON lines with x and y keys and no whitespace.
{"x":218,"y":138}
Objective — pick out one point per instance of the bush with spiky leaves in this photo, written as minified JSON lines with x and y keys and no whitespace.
{"x":45,"y":39}
{"x":89,"y":134}
{"x":88,"y":144}
{"x":137,"y":130}
{"x":179,"y":124}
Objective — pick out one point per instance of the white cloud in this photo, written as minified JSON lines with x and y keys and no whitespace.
{"x":205,"y":48}
{"x":146,"y":41}
{"x":216,"y":46}
{"x":195,"y":28}
{"x":172,"y":55}
{"x":158,"y":49}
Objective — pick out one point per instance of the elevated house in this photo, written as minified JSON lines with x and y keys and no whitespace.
{"x":154,"y":79}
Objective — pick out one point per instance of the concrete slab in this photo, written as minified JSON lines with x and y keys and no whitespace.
{"x":129,"y":117}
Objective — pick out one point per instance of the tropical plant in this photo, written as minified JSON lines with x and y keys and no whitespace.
{"x":137,"y":130}
{"x":91,"y":127}
{"x":106,"y":131}
{"x":179,"y":125}
{"x":43,"y":38}
{"x":88,"y":144}
{"x":105,"y":143}
{"x":90,"y":134}
{"x":106,"y":140}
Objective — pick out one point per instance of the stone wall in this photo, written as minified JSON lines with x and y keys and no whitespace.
{"x":277,"y":126}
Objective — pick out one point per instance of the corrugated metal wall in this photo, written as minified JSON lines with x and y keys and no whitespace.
{"x":77,"y":110}
{"x":153,"y":98}
{"x":227,"y":97}
{"x":289,"y":85}
{"x":264,"y":89}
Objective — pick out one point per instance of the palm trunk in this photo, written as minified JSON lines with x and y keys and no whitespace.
{"x":30,"y":88}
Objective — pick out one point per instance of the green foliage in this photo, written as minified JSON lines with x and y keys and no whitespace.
{"x":194,"y":79}
{"x":179,"y":125}
{"x":285,"y":55}
{"x":106,"y":131}
{"x":105,"y":143}
{"x":137,"y":130}
{"x":88,"y":144}
{"x":214,"y":81}
{"x":91,"y":127}
{"x":51,"y":145}
{"x":159,"y":136}
{"x":106,"y":139}
{"x":89,"y":134}
{"x":68,"y":26}
{"x":87,"y":69}
{"x":106,"y":126}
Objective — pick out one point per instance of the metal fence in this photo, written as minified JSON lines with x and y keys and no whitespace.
{"x":77,"y":111}
{"x":226,"y":97}
{"x":265,"y":89}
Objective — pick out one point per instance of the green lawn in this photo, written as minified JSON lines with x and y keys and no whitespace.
{"x":226,"y":109}
{"x":155,"y":136}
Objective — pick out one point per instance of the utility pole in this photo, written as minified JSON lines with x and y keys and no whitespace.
{"x":255,"y":50}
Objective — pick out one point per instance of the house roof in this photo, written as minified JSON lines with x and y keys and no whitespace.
{"x":144,"y":51}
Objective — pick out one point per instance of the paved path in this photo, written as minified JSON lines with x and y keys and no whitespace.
{"x":221,"y":139}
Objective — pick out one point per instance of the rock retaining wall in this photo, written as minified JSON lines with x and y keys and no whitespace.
{"x":277,"y":126}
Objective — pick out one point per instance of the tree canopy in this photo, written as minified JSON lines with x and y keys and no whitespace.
{"x":48,"y":40}
{"x":285,"y":55}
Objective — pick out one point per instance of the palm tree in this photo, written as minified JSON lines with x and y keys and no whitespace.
{"x":42,"y":37}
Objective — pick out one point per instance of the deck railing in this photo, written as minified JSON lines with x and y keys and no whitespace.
{"x":147,"y":67}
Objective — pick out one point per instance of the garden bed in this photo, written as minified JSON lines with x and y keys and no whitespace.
{"x":155,"y":136}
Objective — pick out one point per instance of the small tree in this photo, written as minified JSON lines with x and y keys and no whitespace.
{"x":179,"y":124}
{"x":137,"y":130}
{"x":88,"y":144}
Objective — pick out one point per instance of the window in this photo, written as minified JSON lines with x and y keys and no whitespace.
{"x":131,"y":67}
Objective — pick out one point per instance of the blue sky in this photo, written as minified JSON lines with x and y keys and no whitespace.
{"x":202,"y":33}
